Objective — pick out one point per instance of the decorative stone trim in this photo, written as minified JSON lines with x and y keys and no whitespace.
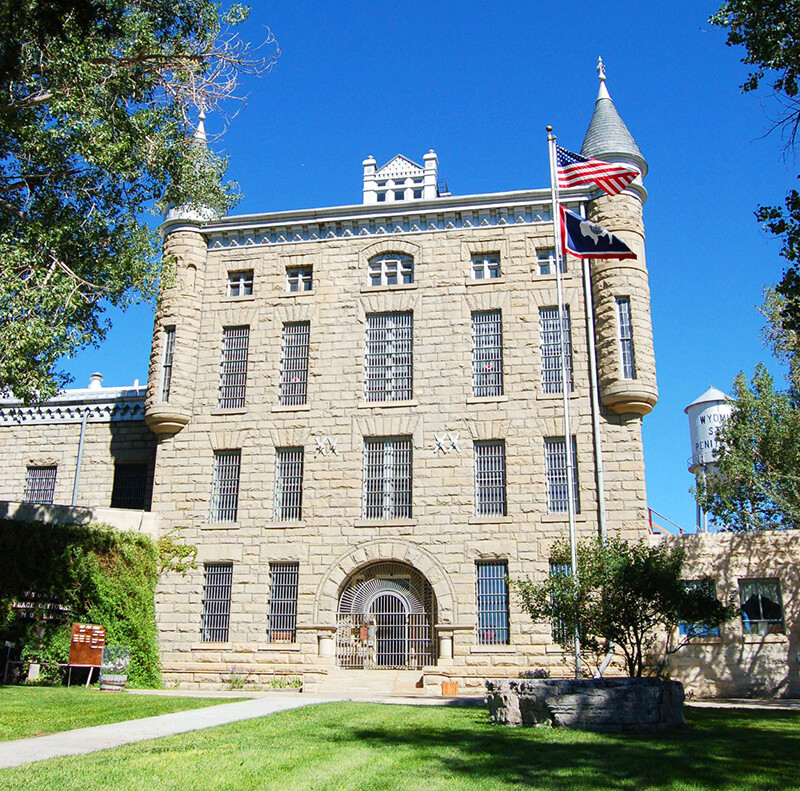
{"x":389,"y":426}
{"x":388,"y":246}
{"x":289,"y":437}
{"x":228,"y":440}
{"x":488,"y":429}
{"x":446,"y":442}
{"x":112,"y":410}
{"x":487,"y":299}
{"x":387,"y":300}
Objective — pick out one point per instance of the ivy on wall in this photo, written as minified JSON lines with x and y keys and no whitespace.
{"x":98,"y":574}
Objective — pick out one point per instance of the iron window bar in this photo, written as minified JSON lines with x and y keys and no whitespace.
{"x":130,"y":486}
{"x":294,"y":363}
{"x":215,"y":625}
{"x":282,"y":621}
{"x":40,"y":485}
{"x":487,"y":353}
{"x":559,"y":630}
{"x":233,"y":367}
{"x":492,"y":600}
{"x":626,"y":337}
{"x":166,"y":363}
{"x":225,"y":486}
{"x":555,"y":450}
{"x":551,"y":349}
{"x":389,"y":357}
{"x":288,"y":484}
{"x":387,"y":478}
{"x":490,"y":478}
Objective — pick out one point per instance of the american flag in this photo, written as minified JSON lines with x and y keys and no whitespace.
{"x":575,"y":170}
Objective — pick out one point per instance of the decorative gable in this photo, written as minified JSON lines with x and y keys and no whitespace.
{"x":401,"y":179}
{"x":399,"y":167}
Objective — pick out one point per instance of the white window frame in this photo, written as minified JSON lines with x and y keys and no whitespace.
{"x":763,"y":625}
{"x":389,"y":357}
{"x":390,"y":269}
{"x":625,"y":337}
{"x":224,"y":504}
{"x":550,"y":340}
{"x":388,"y":483}
{"x":299,"y":279}
{"x":555,"y":454}
{"x":240,"y":283}
{"x":233,"y":367}
{"x":486,"y":266}
{"x":289,"y":484}
{"x":487,"y":353}
{"x":546,"y":261}
{"x":490,"y":478}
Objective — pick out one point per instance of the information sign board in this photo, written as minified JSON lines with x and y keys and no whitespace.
{"x":86,"y":645}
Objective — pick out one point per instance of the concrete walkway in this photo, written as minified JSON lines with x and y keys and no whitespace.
{"x":102,"y":737}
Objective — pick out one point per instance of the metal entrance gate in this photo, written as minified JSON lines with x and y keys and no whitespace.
{"x":385,"y":619}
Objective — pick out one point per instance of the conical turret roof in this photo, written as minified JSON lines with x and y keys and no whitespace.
{"x":607,"y":137}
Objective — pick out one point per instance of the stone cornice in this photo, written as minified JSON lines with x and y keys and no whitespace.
{"x":65,"y":409}
{"x":470,"y":212}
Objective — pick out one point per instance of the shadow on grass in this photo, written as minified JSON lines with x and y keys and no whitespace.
{"x":734,"y":749}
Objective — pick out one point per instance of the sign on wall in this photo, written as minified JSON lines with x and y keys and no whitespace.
{"x":86,"y":645}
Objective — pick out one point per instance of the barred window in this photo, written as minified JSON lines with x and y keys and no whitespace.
{"x":546,"y":261}
{"x":387,"y":478}
{"x":215,"y":625}
{"x":225,"y":486}
{"x":240,"y":284}
{"x":299,"y":278}
{"x":487,"y":353}
{"x":390,"y":269}
{"x":558,"y":628}
{"x":389,"y":358}
{"x":555,"y":452}
{"x":282,"y":618}
{"x":626,"y":337}
{"x":288,"y":484}
{"x":233,"y":367}
{"x":40,"y":485}
{"x":490,"y":478}
{"x":551,"y":349}
{"x":492,"y":600}
{"x":130,"y":488}
{"x":294,"y":363}
{"x":486,"y":266}
{"x":762,"y":610}
{"x":166,"y":363}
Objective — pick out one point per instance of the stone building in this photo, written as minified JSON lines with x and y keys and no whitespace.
{"x":358,"y":414}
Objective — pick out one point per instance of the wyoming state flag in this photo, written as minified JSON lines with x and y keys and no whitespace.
{"x":586,"y":239}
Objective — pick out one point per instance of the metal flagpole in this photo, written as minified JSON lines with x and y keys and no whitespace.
{"x":573,"y":539}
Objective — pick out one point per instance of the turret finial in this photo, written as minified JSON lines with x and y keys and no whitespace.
{"x":200,"y":132}
{"x":601,"y":76}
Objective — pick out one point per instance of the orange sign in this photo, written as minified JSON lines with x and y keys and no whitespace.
{"x":86,"y":646}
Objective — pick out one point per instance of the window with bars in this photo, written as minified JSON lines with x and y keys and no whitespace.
{"x":762,"y":610}
{"x":282,"y":617}
{"x":626,"y":337}
{"x":487,"y":353}
{"x":166,"y":363}
{"x":551,"y":349}
{"x":288,"y":484}
{"x":233,"y":367}
{"x":294,"y":363}
{"x":40,"y":484}
{"x":555,"y":455}
{"x":225,"y":486}
{"x":240,"y":284}
{"x":492,"y":599}
{"x":215,"y":624}
{"x":130,"y":488}
{"x":490,"y":478}
{"x":546,"y":261}
{"x":390,"y":269}
{"x":389,"y":357}
{"x":387,"y":478}
{"x":299,"y":278}
{"x":558,"y":628}
{"x":485,"y":266}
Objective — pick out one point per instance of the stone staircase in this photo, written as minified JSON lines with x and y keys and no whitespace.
{"x":369,"y":684}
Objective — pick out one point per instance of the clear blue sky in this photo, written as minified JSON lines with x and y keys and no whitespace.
{"x":478,"y":82}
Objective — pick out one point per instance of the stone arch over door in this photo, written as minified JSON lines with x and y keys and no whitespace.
{"x":392,"y":549}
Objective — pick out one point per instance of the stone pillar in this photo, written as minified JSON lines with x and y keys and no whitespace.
{"x":370,"y":183}
{"x":430,"y":175}
{"x":611,"y":279}
{"x":445,"y":640}
{"x":326,"y":642}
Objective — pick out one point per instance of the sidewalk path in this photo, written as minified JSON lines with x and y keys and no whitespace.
{"x":102,"y":737}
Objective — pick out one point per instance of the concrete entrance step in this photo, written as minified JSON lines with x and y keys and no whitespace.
{"x":370,"y":683}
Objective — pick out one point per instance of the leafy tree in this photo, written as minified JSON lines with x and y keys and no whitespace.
{"x":628,"y":594}
{"x":769,"y":30}
{"x":757,"y":486}
{"x":97,"y":106}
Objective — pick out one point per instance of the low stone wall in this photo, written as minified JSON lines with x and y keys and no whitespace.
{"x":643,"y":705}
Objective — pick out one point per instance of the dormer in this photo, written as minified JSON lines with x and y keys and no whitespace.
{"x":400,"y":179}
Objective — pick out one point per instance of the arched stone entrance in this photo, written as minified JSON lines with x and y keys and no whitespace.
{"x":385,"y":618}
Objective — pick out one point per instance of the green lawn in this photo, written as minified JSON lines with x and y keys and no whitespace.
{"x":366,"y":747}
{"x":36,"y":711}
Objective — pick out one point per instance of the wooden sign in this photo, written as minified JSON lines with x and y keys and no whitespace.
{"x":86,"y":646}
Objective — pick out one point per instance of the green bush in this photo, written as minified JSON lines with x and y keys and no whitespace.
{"x":101,"y":575}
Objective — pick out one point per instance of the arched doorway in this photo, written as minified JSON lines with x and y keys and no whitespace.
{"x":385,"y":619}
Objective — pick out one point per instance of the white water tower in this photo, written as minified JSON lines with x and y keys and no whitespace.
{"x":707,"y":415}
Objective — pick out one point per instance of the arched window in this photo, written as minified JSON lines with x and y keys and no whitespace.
{"x":390,"y":269}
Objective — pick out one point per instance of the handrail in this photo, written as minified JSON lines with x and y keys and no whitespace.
{"x":656,"y":528}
